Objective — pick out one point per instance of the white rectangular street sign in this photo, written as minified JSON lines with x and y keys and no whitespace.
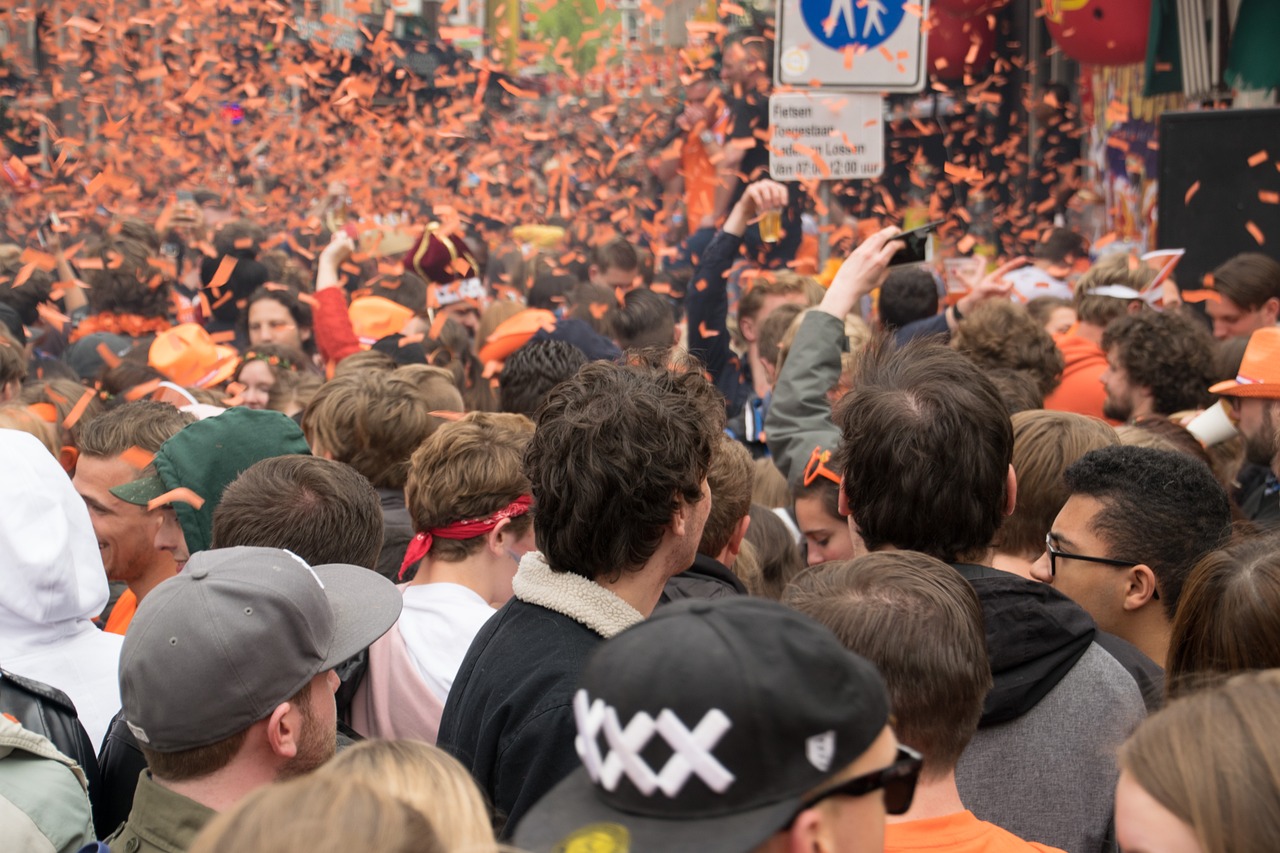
{"x":825,"y":136}
{"x":854,"y":45}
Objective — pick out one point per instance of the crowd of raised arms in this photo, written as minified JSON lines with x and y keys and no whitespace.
{"x":335,"y":522}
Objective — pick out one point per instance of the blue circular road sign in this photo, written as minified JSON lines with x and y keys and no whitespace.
{"x":859,"y":23}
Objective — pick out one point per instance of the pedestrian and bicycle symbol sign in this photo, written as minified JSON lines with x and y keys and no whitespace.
{"x":857,"y":45}
{"x":842,"y":23}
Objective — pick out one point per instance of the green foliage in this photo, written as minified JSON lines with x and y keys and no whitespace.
{"x":569,"y":19}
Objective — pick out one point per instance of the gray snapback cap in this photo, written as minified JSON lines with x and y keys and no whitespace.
{"x":216,"y":648}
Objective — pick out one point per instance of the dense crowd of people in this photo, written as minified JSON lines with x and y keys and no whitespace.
{"x":464,"y":536}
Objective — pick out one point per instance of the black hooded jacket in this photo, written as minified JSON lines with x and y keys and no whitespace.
{"x":1035,"y":635}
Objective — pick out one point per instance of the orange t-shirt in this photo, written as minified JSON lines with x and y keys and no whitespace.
{"x":700,"y":174}
{"x":122,"y":613}
{"x":961,"y":832}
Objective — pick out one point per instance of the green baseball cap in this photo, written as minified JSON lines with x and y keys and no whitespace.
{"x":206,"y":457}
{"x":142,"y":491}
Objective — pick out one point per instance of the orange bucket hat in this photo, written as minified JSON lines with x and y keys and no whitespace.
{"x":188,"y":356}
{"x":1259,"y":374}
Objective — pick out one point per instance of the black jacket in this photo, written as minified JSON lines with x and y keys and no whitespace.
{"x":49,"y":712}
{"x":121,"y":761}
{"x":706,"y":578}
{"x":397,"y":530}
{"x":509,"y":716}
{"x":1258,"y":506}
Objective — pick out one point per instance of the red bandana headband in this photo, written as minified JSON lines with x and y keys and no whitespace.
{"x":421,"y":544}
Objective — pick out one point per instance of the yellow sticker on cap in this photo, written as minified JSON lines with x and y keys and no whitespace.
{"x":597,"y":838}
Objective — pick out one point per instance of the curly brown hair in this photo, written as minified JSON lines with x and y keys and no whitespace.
{"x":128,"y":283}
{"x":1167,"y":352}
{"x":1002,"y":334}
{"x":616,"y":449}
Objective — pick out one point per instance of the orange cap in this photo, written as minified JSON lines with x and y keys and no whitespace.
{"x":514,"y":332}
{"x":188,"y":356}
{"x":375,"y":317}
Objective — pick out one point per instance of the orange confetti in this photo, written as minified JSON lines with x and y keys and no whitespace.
{"x":109,"y":358}
{"x":223,"y":274}
{"x":139,"y":392}
{"x":40,"y":260}
{"x":1268,"y":197}
{"x":180,"y":495}
{"x":137,"y":457}
{"x":46,"y":412}
{"x":1255,"y":232}
{"x":77,"y":410}
{"x":1191,"y":190}
{"x":1258,"y":158}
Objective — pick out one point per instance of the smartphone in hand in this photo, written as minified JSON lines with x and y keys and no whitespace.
{"x":918,"y":247}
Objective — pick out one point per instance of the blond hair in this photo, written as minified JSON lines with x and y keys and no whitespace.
{"x":427,"y":778}
{"x":1212,"y":759}
{"x":320,"y":813}
{"x":16,"y":416}
{"x":1045,"y":443}
{"x":768,"y":486}
{"x":780,"y":283}
{"x":372,"y":420}
{"x":1113,"y":269}
{"x":437,"y":385}
{"x":468,"y":469}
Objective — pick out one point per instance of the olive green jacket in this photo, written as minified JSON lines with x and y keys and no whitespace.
{"x":161,"y":821}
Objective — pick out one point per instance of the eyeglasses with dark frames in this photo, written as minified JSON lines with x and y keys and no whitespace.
{"x":898,"y":781}
{"x":1054,"y":554}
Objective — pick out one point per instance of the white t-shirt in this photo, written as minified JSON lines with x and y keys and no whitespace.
{"x":438,"y":623}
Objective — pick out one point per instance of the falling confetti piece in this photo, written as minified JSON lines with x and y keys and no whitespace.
{"x":137,"y":457}
{"x":1191,"y":191}
{"x":73,"y":416}
{"x":180,"y":495}
{"x":1255,"y":232}
{"x":1259,"y":158}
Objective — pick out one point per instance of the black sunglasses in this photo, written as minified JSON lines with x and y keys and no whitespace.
{"x":1054,"y":554}
{"x":898,"y":781}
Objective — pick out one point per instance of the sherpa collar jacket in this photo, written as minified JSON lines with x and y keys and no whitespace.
{"x":509,"y":717}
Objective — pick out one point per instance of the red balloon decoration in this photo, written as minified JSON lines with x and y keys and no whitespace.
{"x":958,"y":45}
{"x":1100,"y":32}
{"x":966,"y":8}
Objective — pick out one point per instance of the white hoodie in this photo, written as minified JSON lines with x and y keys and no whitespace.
{"x":52,"y":584}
